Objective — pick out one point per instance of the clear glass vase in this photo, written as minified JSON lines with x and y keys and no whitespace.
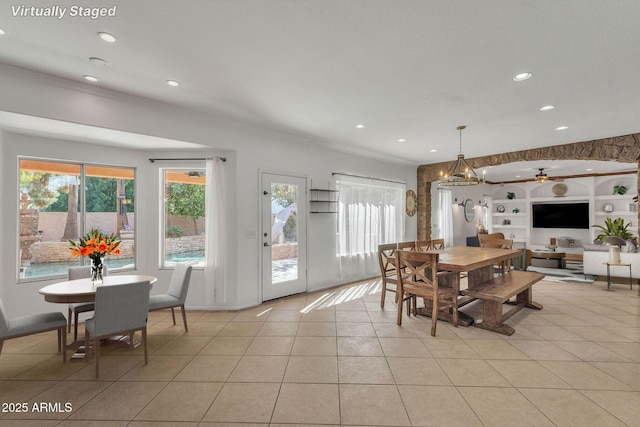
{"x":96,"y":271}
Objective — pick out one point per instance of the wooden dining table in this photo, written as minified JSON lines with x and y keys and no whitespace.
{"x":478,"y":263}
{"x":82,"y":290}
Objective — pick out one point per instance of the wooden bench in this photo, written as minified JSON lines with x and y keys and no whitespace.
{"x":497,"y":291}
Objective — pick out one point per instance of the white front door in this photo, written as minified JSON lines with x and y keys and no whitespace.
{"x":283,"y":235}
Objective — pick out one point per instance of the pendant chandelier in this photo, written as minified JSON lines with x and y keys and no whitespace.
{"x":461,"y":173}
{"x":541,"y":177}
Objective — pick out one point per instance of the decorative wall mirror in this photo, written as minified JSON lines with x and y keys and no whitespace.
{"x":469,"y":211}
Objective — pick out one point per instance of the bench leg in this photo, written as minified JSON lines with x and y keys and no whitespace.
{"x":526,"y":298}
{"x":492,"y":318}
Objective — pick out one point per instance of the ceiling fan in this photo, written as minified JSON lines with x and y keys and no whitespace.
{"x":541,"y":177}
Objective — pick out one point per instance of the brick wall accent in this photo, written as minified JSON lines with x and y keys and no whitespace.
{"x":625,"y":149}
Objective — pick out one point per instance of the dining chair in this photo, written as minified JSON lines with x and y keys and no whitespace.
{"x":75,"y":309}
{"x":418,"y":276}
{"x":505,"y":266}
{"x":119,"y":309}
{"x":387,"y":270}
{"x":489,"y":236}
{"x":176,"y":295}
{"x":428,"y":245}
{"x":34,"y":324}
{"x":406,"y":246}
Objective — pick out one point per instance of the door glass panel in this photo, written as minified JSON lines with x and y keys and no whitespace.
{"x":284,"y":232}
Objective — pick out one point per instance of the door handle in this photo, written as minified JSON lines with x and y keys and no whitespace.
{"x":266,"y":244}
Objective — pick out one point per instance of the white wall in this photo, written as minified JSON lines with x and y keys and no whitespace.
{"x":248,"y":149}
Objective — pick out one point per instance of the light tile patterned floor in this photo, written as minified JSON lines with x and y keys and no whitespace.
{"x":335,"y":358}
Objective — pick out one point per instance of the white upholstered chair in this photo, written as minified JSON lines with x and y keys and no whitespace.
{"x":119,"y":309}
{"x":177,"y":294}
{"x":34,"y":324}
{"x":83,"y":307}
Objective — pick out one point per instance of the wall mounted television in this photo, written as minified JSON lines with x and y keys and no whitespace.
{"x":560,"y":215}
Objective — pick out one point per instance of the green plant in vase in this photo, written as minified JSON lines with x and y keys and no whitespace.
{"x":614,"y":227}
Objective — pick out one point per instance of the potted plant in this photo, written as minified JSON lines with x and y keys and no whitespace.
{"x":614,"y":227}
{"x":619,"y":190}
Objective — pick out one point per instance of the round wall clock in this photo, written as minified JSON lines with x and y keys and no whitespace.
{"x":412,"y":203}
{"x":500,"y":208}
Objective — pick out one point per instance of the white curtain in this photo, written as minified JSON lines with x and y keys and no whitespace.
{"x":370,"y":212}
{"x":214,"y":277}
{"x":445,"y":216}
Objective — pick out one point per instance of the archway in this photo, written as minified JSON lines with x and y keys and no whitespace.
{"x":624,"y":148}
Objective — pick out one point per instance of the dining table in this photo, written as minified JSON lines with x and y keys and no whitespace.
{"x":83,"y":290}
{"x":478,"y":264}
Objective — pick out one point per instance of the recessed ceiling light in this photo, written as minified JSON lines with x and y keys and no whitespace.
{"x":90,"y":78}
{"x":518,"y":176}
{"x":588,"y":169}
{"x":402,"y":140}
{"x":562,"y":128}
{"x":97,"y":61}
{"x":173,"y":83}
{"x":433,"y":150}
{"x":522,"y":77}
{"x":110,"y":38}
{"x":360,"y":126}
{"x":2,"y":33}
{"x":547,"y":107}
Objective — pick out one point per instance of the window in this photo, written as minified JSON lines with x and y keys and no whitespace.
{"x":370,"y":213}
{"x":61,"y":201}
{"x":184,"y":214}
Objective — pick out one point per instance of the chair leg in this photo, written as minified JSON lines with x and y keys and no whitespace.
{"x":383,"y":293}
{"x":96,"y":355}
{"x":75,"y":326}
{"x":144,"y":343}
{"x":64,"y":343}
{"x":399,"y":321}
{"x":173,"y":314}
{"x":60,"y":340}
{"x":184,"y":318}
{"x":69,"y":320}
{"x":86,"y":345}
{"x":131,"y":340}
{"x":1,"y":344}
{"x":434,"y":316}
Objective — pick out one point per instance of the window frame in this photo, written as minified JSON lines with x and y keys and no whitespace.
{"x":82,"y":213}
{"x":162,"y":261}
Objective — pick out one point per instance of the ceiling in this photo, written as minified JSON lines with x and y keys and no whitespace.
{"x":411,"y":69}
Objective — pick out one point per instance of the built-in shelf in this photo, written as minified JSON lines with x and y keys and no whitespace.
{"x":597,"y":191}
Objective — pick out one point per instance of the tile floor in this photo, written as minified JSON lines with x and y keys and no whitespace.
{"x":335,"y":358}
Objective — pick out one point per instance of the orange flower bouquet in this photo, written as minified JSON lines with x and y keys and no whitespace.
{"x":95,"y":245}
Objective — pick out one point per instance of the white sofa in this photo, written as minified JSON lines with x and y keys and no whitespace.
{"x":596,"y":256}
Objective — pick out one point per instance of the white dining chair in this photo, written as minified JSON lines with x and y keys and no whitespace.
{"x":34,"y":324}
{"x":177,"y":294}
{"x":119,"y":309}
{"x":75,"y":309}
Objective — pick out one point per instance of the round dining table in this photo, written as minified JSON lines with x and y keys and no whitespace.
{"x":82,"y":290}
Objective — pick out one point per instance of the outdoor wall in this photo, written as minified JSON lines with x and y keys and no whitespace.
{"x":52,"y":223}
{"x":249,"y":150}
